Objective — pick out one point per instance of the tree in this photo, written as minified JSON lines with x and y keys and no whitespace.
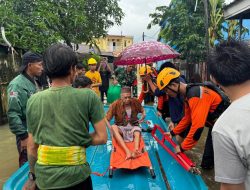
{"x":183,"y":28}
{"x":35,"y":24}
{"x":22,"y":32}
{"x":232,"y":30}
{"x":216,"y":20}
{"x":220,"y":28}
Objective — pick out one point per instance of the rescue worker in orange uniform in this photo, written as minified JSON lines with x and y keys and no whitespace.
{"x":201,"y":109}
{"x":162,"y":107}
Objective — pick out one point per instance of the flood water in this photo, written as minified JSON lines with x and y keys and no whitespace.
{"x":196,"y":155}
{"x":9,"y":157}
{"x":8,"y":152}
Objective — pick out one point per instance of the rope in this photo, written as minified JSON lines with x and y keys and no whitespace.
{"x":100,"y":174}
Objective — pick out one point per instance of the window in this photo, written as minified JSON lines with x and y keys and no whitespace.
{"x":125,"y":43}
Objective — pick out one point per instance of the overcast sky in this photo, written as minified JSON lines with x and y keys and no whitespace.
{"x":137,"y":18}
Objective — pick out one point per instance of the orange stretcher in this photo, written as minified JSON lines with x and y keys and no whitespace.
{"x":117,"y":158}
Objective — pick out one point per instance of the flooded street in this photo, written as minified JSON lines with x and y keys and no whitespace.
{"x":196,"y":155}
{"x":8,"y":152}
{"x":9,"y":157}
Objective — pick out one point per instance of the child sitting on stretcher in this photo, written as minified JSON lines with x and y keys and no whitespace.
{"x":126,"y":127}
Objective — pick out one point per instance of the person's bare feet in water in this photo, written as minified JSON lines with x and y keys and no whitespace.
{"x":136,"y":154}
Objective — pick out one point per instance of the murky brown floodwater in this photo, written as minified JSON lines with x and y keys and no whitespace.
{"x":9,"y":157}
{"x":196,"y":155}
{"x":8,"y":152}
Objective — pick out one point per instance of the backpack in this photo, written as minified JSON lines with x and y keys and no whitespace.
{"x":225,"y":103}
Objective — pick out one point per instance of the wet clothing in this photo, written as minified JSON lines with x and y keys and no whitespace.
{"x":19,"y":91}
{"x":128,"y":132}
{"x":231,"y":140}
{"x":117,"y":109}
{"x":200,"y":103}
{"x":127,"y":79}
{"x":63,"y":120}
{"x":95,"y":78}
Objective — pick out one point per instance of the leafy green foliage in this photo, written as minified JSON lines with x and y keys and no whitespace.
{"x":184,"y":28}
{"x":232,"y":29}
{"x":35,"y":24}
{"x":216,"y":20}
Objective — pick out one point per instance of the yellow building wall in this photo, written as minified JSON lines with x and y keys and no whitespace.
{"x":113,"y":43}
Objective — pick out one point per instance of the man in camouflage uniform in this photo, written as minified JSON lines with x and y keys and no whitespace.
{"x":19,"y":91}
{"x":127,"y":77}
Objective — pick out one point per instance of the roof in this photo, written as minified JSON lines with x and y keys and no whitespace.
{"x":107,"y":53}
{"x":237,"y":9}
{"x":118,"y":36}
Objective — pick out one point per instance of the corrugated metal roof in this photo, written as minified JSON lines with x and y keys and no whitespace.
{"x":228,"y":2}
{"x":237,"y":9}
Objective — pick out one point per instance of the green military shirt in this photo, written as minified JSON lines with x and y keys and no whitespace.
{"x":126,"y":78}
{"x":60,"y":117}
{"x":19,"y":91}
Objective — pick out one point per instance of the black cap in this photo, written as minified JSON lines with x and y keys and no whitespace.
{"x":30,"y":57}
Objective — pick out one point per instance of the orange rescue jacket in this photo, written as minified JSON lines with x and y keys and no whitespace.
{"x":200,"y":102}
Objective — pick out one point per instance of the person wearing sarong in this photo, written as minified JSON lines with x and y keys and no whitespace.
{"x":126,"y":127}
{"x":58,"y":122}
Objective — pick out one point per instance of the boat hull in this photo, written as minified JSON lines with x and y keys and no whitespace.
{"x":169,"y":174}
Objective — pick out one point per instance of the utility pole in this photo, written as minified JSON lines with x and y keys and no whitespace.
{"x":206,"y":11}
{"x":240,"y":29}
{"x":143,"y":36}
{"x":121,"y":41}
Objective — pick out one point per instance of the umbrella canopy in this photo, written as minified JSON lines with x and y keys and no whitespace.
{"x":146,"y":52}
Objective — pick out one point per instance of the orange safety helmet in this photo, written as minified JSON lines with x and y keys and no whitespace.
{"x":145,"y":70}
{"x":165,"y":76}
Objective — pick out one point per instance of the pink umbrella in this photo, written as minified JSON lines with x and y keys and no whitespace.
{"x":146,"y":52}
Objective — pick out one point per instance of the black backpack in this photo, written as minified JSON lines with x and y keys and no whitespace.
{"x":222,"y":106}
